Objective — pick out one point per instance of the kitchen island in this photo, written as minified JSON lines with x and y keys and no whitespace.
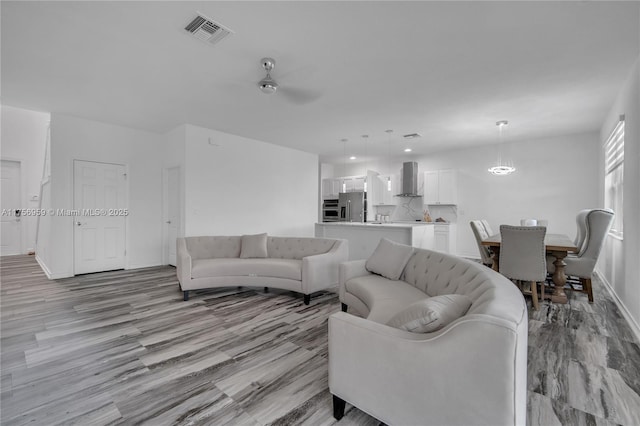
{"x":364,"y":237}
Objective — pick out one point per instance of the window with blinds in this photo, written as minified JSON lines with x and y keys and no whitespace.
{"x":613,"y":179}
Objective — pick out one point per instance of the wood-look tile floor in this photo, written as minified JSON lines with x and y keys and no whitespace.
{"x":123,"y":348}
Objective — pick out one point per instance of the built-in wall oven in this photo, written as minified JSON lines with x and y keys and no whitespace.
{"x":330,"y":211}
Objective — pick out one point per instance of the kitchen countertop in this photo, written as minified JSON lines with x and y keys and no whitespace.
{"x":383,"y":224}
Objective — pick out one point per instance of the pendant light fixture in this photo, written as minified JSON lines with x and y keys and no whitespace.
{"x":501,"y":168}
{"x":366,"y":163}
{"x":344,"y":163}
{"x":388,"y":132}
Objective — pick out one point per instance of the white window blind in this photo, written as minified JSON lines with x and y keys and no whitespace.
{"x":614,"y":147}
{"x":614,"y":172}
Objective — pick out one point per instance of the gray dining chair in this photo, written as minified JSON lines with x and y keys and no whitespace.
{"x":487,"y":227}
{"x":597,"y":223}
{"x":581,"y":227}
{"x":522,"y":256}
{"x":480,"y":233}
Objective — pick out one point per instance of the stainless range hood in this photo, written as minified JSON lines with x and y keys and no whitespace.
{"x":409,"y":180}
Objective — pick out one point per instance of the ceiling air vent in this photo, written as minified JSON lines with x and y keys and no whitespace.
{"x":207,"y":30}
{"x":412,"y":136}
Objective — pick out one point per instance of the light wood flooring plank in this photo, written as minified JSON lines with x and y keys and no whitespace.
{"x":121,"y":347}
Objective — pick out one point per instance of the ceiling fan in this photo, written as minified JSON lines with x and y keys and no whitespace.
{"x":269,"y":86}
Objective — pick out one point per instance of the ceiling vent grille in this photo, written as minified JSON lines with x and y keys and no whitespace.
{"x":412,"y":136}
{"x":207,"y":30}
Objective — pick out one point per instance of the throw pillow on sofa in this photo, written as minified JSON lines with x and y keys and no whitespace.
{"x":389,"y":259}
{"x":432,"y":314}
{"x":253,"y":246}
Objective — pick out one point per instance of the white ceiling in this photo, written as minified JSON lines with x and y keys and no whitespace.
{"x":447,"y":70}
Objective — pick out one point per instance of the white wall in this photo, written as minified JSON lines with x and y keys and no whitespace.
{"x":24,"y":135}
{"x":236,"y":185}
{"x":620,"y":260}
{"x":76,"y":138}
{"x":554,"y":179}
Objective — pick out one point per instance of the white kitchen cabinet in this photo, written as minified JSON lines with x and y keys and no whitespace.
{"x":445,"y":238}
{"x":331,"y":188}
{"x":355,"y":183}
{"x":441,"y":187}
{"x":385,"y":188}
{"x":373,"y":188}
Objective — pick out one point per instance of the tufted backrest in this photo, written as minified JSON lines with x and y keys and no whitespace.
{"x":297,"y":248}
{"x":208,"y":247}
{"x":522,"y":252}
{"x":437,"y":273}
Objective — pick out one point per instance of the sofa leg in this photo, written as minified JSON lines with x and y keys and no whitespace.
{"x":307,"y":299}
{"x":266,"y":289}
{"x":338,"y":407}
{"x":185,"y":295}
{"x":344,"y":307}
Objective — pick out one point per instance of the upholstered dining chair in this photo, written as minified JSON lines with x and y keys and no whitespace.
{"x":480,"y":232}
{"x":597,"y":223}
{"x":522,"y":256}
{"x":487,"y":227}
{"x":581,"y":227}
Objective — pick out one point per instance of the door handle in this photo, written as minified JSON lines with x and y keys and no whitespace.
{"x":79,"y":223}
{"x":168,"y":221}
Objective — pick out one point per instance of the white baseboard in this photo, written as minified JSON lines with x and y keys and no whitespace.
{"x":142,"y":265}
{"x":50,"y":275}
{"x":625,"y":312}
{"x":44,"y":267}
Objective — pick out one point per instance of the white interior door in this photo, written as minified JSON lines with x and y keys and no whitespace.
{"x":10,"y":201}
{"x":171,"y":213}
{"x":99,"y":227}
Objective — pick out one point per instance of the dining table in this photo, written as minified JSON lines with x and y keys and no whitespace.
{"x":556,"y":245}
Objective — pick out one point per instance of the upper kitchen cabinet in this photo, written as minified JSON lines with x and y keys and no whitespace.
{"x":331,"y":188}
{"x":354,"y":183}
{"x":390,"y":187}
{"x":383,"y":190}
{"x":441,"y":187}
{"x":373,"y":192}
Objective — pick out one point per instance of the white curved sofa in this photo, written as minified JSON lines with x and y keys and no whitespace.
{"x":471,"y":372}
{"x":304,"y":265}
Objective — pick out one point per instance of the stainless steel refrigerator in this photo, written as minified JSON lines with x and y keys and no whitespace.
{"x":352,"y":206}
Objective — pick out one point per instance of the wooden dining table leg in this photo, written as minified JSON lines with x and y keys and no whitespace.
{"x":559,"y":277}
{"x":496,"y":258}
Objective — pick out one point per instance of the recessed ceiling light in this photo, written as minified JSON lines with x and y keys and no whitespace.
{"x":352,"y":157}
{"x":407,"y":150}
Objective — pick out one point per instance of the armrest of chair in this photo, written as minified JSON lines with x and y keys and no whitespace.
{"x":183,"y":261}
{"x":468,"y":372}
{"x":351,"y":269}
{"x":320,"y":271}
